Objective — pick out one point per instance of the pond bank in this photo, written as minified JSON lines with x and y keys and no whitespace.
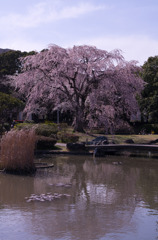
{"x":106,"y":149}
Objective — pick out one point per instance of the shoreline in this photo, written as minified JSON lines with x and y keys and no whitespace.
{"x":108,"y":149}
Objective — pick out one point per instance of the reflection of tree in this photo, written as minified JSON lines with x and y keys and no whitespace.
{"x":117,"y":181}
{"x":102,"y":196}
{"x":101,"y":200}
{"x":148,"y":179}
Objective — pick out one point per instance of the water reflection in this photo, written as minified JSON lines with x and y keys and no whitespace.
{"x":107,"y":200}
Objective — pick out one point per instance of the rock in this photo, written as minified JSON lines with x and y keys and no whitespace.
{"x":76,"y":146}
{"x":130,"y":141}
{"x":101,"y":140}
{"x":153,"y":141}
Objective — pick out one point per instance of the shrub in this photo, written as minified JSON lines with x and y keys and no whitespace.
{"x":98,"y":130}
{"x":76,"y":147}
{"x":63,"y":126}
{"x":50,"y":123}
{"x":46,"y":133}
{"x":2,"y":129}
{"x":47,"y":130}
{"x":68,"y":138}
{"x":29,"y":121}
{"x":146,"y":128}
{"x":24,"y":126}
{"x":7,"y":126}
{"x":43,"y":143}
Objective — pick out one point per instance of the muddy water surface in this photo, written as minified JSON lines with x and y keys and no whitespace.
{"x":104,"y":198}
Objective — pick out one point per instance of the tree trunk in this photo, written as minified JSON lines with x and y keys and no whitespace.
{"x":79,"y":122}
{"x":79,"y":127}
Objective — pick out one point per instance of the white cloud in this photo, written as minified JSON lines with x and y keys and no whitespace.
{"x":47,"y":12}
{"x":133,"y":47}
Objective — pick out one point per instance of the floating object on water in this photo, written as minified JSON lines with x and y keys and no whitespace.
{"x":43,"y":165}
{"x":66,"y":185}
{"x":117,"y":163}
{"x":45,"y":197}
{"x":63,"y":185}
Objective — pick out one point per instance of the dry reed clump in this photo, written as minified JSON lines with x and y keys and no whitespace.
{"x":17,"y":151}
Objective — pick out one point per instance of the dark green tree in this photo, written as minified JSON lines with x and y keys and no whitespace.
{"x":9,"y":106}
{"x":149,"y":100}
{"x":10,"y":64}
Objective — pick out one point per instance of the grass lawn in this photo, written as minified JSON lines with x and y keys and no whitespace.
{"x":138,"y":139}
{"x":118,"y":139}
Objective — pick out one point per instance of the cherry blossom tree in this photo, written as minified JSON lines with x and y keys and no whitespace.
{"x":97,"y":86}
{"x":117,"y":97}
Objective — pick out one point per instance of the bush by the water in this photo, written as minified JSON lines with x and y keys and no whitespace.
{"x":17,"y":151}
{"x":24,"y":126}
{"x":67,"y":137}
{"x":46,"y":133}
{"x":47,"y":130}
{"x":43,"y":143}
{"x":42,"y":129}
{"x":76,"y":147}
{"x":146,"y":128}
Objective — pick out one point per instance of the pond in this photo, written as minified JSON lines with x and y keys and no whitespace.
{"x":115,"y":197}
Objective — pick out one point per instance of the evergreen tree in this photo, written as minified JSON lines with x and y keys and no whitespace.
{"x":149,"y":100}
{"x":9,"y":65}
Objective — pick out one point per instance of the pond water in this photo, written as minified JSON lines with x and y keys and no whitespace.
{"x":109,"y":198}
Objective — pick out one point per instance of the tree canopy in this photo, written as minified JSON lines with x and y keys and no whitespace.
{"x":149,"y":100}
{"x":98,"y":87}
{"x":10,"y":61}
{"x":9,"y":65}
{"x":8,"y":105}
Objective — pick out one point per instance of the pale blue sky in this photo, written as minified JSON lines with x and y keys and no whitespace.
{"x":129,"y":25}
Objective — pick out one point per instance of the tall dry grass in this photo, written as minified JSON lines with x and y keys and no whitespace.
{"x":17,"y":151}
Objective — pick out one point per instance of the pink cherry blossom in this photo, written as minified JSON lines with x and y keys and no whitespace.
{"x":98,"y":87}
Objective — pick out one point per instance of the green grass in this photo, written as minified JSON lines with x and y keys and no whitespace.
{"x":119,"y":139}
{"x":138,"y":139}
{"x":64,"y":129}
